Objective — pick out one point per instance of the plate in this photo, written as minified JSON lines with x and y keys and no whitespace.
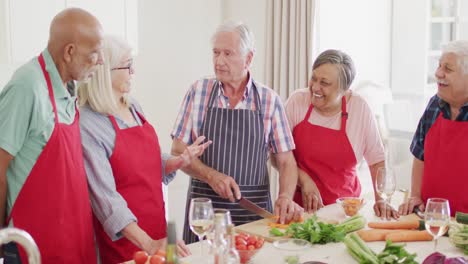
{"x":291,"y":244}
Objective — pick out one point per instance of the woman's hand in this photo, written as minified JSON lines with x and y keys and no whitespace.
{"x":408,"y":206}
{"x":311,"y":198}
{"x":193,"y":151}
{"x":384,"y":210}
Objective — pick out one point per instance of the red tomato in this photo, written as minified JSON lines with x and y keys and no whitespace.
{"x":140,"y":257}
{"x":251,"y":247}
{"x":252,"y":240}
{"x":157,"y":259}
{"x":241,"y":247}
{"x":243,"y":235}
{"x":259,"y":243}
{"x":241,"y":241}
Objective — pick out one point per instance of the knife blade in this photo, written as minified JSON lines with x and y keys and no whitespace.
{"x":250,"y":206}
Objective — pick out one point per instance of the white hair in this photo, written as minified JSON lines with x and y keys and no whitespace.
{"x":460,"y":49}
{"x":98,"y":92}
{"x":247,"y":39}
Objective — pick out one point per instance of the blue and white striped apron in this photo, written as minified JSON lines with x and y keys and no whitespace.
{"x":239,"y":150}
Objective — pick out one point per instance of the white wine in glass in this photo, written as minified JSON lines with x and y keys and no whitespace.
{"x":385,"y":186}
{"x":437,"y":217}
{"x":201,"y":218}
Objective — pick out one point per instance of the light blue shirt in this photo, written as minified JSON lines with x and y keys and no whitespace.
{"x":98,"y":140}
{"x":27,"y":119}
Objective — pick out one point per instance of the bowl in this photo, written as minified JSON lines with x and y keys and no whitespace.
{"x":351,"y":205}
{"x":246,"y":255}
{"x":291,"y":244}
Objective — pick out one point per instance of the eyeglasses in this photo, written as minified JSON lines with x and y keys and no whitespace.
{"x":129,"y":68}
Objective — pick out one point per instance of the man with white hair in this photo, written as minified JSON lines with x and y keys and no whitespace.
{"x":246,"y":122}
{"x":41,"y":161}
{"x":440,"y":144}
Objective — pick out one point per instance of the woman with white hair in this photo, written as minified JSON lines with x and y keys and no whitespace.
{"x":123,"y":161}
{"x":440,"y":143}
{"x":333,"y":129}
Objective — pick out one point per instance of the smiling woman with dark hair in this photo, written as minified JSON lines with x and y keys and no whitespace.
{"x":333,"y":130}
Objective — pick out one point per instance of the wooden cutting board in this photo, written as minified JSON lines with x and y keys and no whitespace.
{"x":331,"y":214}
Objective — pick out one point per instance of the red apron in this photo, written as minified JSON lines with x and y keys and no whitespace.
{"x":136,"y":165}
{"x":445,"y":163}
{"x":327,"y":156}
{"x":53,"y":205}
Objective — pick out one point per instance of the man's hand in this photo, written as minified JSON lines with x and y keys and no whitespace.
{"x":311,"y":198}
{"x":193,"y":151}
{"x":225,"y":186}
{"x":384,"y":210}
{"x":408,"y":206}
{"x":182,"y":249}
{"x":287,"y":210}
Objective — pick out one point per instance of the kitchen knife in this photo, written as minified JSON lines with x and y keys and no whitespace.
{"x":250,"y":206}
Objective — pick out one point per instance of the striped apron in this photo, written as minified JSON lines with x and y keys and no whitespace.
{"x":239,"y":150}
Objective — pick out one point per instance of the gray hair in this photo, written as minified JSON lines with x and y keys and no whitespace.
{"x":247,"y":39}
{"x":98,"y":92}
{"x":345,"y":64}
{"x":460,"y":49}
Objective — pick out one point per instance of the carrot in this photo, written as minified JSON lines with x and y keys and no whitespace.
{"x":407,"y":224}
{"x":276,"y":225}
{"x":409,"y":235}
{"x":375,"y":234}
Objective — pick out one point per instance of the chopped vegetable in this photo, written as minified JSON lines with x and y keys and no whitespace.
{"x":276,"y":232}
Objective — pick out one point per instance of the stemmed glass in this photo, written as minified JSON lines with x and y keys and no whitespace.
{"x":201,"y":218}
{"x":385,"y":186}
{"x":437,"y":217}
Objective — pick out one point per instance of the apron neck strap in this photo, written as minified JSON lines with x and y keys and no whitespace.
{"x":215,"y":90}
{"x":49,"y":85}
{"x":344,"y":114}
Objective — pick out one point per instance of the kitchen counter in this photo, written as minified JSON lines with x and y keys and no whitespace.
{"x":332,"y":252}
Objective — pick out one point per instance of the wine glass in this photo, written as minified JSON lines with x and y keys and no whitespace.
{"x":437,"y":217}
{"x":385,"y":186}
{"x":201,"y":218}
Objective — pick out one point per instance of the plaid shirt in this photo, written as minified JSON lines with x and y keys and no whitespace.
{"x":435,"y":106}
{"x":192,"y":112}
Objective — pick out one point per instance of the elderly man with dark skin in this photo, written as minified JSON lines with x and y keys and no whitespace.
{"x":43,"y":187}
{"x":246,"y":122}
{"x":440,"y":144}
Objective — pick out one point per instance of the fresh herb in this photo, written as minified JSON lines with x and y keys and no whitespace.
{"x":316,"y":232}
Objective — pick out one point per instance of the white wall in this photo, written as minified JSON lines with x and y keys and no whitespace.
{"x":174,"y":51}
{"x":361,"y":28}
{"x":253,"y":13}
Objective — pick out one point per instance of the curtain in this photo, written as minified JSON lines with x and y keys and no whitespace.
{"x":288,"y":53}
{"x":289,"y":44}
